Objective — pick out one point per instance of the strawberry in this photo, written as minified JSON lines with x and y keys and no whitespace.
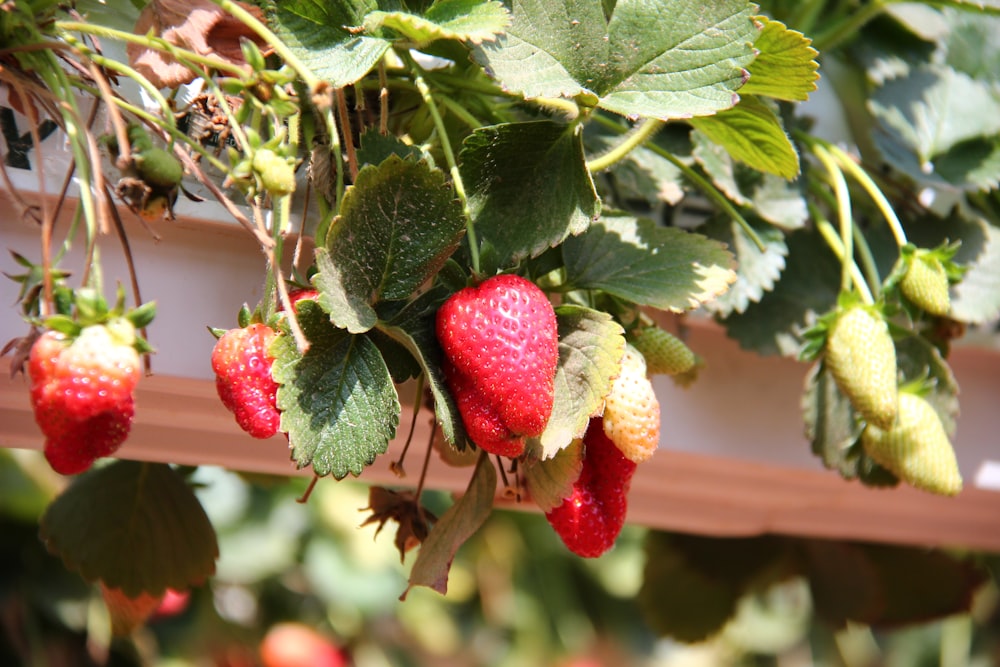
{"x":301,"y":294}
{"x":632,"y":411}
{"x":128,"y":613}
{"x":916,"y":448}
{"x":665,"y":353}
{"x":242,"y":366}
{"x":275,"y":173}
{"x":925,"y":283}
{"x":861,"y":355}
{"x":501,"y":348}
{"x":82,"y":392}
{"x":589,"y":520}
{"x":294,"y":644}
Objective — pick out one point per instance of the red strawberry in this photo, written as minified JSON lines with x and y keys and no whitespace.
{"x":502,"y":345}
{"x":243,"y":379}
{"x":591,"y":517}
{"x":81,"y":392}
{"x":301,"y":294}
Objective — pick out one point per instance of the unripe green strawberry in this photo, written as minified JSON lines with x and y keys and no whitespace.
{"x":862,"y":357}
{"x":916,"y":448}
{"x":925,"y":283}
{"x":632,"y":411}
{"x":158,"y":168}
{"x":665,"y":353}
{"x":276,"y":174}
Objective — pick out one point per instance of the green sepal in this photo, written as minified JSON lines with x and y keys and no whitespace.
{"x":143,"y":315}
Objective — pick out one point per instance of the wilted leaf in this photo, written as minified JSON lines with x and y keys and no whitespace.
{"x":551,"y":480}
{"x":404,"y":508}
{"x":457,"y":524}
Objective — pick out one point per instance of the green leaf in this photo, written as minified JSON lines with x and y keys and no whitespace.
{"x":933,"y":109}
{"x":528,"y":186}
{"x":662,"y":267}
{"x":551,"y":480}
{"x":399,"y":223}
{"x":338,"y":404}
{"x":413,"y":328}
{"x":808,"y":288}
{"x":785,"y":67}
{"x":463,"y":20}
{"x":756,"y":272}
{"x":456,"y":525}
{"x":317,"y":32}
{"x":374,"y":148}
{"x":661,"y":59}
{"x":705,"y":577}
{"x":752,"y":134}
{"x":591,"y":345}
{"x":133,"y":526}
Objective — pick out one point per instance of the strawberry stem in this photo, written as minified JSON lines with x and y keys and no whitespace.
{"x":634,"y":139}
{"x":449,"y":155}
{"x":423,"y":471}
{"x":304,"y":498}
{"x":397,"y":465}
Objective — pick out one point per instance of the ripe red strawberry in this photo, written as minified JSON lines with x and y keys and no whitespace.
{"x":632,"y":410}
{"x":301,"y":294}
{"x":862,"y":357}
{"x":82,"y":392}
{"x":242,"y":366}
{"x":916,"y":448}
{"x":591,"y":517}
{"x":501,"y":343}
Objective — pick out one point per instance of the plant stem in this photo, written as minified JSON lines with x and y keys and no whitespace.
{"x":449,"y":156}
{"x":861,"y":176}
{"x":633,"y":140}
{"x":834,"y":34}
{"x":845,"y":218}
{"x":832,"y":239}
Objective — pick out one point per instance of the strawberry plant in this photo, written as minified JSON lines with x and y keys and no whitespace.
{"x":488,"y":202}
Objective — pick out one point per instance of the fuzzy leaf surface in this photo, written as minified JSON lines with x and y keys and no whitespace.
{"x":528,"y":186}
{"x":551,"y":480}
{"x":339,"y":405}
{"x":399,"y":223}
{"x":591,"y":345}
{"x":661,"y":59}
{"x":785,"y":67}
{"x":317,"y":32}
{"x":456,"y":525}
{"x":134,"y":526}
{"x":752,"y":134}
{"x":662,"y":267}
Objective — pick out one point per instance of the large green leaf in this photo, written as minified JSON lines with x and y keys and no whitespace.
{"x":318,"y":33}
{"x":785,"y":66}
{"x":399,"y":223}
{"x":661,"y":59}
{"x":339,"y":405}
{"x":134,"y":526}
{"x":662,"y":267}
{"x":751,"y":133}
{"x":591,"y":345}
{"x":932,"y":110}
{"x":456,"y":525}
{"x":528,"y":186}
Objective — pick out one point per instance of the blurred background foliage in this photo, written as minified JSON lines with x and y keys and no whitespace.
{"x":516,"y":595}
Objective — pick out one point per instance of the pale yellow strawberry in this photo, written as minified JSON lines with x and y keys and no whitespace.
{"x":926,"y":284}
{"x":916,"y":449}
{"x":862,"y":357}
{"x":632,"y":411}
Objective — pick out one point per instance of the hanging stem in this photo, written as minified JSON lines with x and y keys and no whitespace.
{"x":861,"y":176}
{"x":449,"y":156}
{"x":633,"y":140}
{"x":844,"y":217}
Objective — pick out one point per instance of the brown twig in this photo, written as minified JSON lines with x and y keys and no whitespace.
{"x":345,"y":124}
{"x":423,"y":471}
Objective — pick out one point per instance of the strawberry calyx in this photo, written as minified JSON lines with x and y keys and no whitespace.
{"x":89,"y":309}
